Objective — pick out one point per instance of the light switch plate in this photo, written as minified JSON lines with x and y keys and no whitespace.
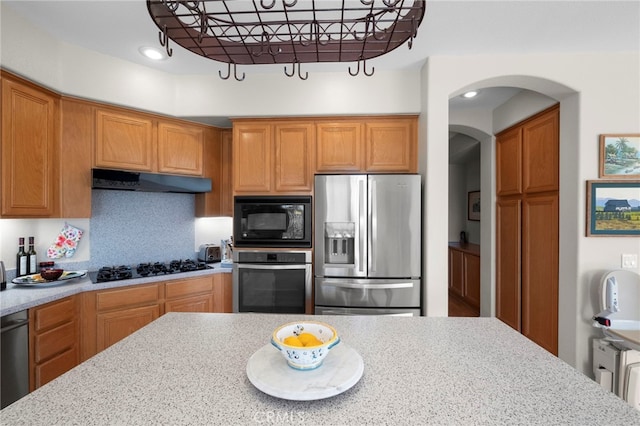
{"x":629,"y":261}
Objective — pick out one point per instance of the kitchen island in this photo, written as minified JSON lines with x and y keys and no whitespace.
{"x":187,"y":368}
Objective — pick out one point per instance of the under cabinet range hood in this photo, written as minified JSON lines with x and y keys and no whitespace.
{"x":148,"y":182}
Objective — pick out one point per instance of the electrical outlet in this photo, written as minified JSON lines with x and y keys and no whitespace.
{"x":630,"y":261}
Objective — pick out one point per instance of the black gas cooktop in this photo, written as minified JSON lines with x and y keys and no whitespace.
{"x":125,"y":272}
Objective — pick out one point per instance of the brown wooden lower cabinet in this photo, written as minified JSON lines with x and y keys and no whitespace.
{"x":111,"y":315}
{"x":54,"y":331}
{"x":464,"y":274}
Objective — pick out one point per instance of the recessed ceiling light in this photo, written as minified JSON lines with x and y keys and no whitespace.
{"x":152,"y":53}
{"x":470,"y":94}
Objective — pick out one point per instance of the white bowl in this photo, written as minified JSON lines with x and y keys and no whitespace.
{"x":309,"y":357}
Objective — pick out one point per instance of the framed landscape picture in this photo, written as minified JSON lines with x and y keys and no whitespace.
{"x":473,"y":205}
{"x":613,"y":208}
{"x":620,"y":156}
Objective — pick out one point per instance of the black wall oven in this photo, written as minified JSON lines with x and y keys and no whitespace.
{"x":272,"y":221}
{"x":272,"y":281}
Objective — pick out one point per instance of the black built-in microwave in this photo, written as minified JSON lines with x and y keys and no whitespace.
{"x":272,"y":221}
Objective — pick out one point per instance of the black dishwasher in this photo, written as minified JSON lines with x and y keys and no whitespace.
{"x":14,"y":360}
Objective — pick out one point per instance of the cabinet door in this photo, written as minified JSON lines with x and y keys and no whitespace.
{"x":509,"y":162}
{"x":180,"y":149}
{"x":294,"y":155}
{"x":472,"y":279}
{"x":339,"y":147}
{"x":252,"y":158}
{"x":391,"y":146}
{"x":226,"y":190}
{"x":209,"y":203}
{"x":540,"y":271}
{"x":456,"y":272}
{"x":115,"y":326}
{"x":508,"y":250}
{"x":540,"y":153}
{"x":124,"y":141}
{"x":29,"y":151}
{"x":78,"y":130}
{"x":222,"y":293}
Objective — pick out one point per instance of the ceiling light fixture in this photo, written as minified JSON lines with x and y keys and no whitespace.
{"x":260,"y":32}
{"x":152,"y":53}
{"x":470,"y":94}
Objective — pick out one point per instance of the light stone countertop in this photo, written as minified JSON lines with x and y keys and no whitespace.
{"x":17,"y":298}
{"x":187,"y":368}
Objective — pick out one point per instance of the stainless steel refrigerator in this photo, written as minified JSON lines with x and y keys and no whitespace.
{"x":367,"y":255}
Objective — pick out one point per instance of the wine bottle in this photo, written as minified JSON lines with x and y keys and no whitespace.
{"x":22,"y":259}
{"x":33,"y":262}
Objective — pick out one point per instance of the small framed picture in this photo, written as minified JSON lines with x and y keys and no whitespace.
{"x":613,"y":208}
{"x":473,"y":205}
{"x":620,"y":156}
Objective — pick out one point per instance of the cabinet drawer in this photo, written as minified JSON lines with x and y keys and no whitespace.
{"x":182,"y":288}
{"x":57,"y":313}
{"x":55,"y":367}
{"x":202,"y":303}
{"x":54,"y":341}
{"x":131,"y":296}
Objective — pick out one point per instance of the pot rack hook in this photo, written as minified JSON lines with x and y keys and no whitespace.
{"x":293,"y":3}
{"x":293,"y":71}
{"x":164,"y":40}
{"x":235,"y":73}
{"x":364,"y":69}
{"x":414,"y":32}
{"x":267,"y":6}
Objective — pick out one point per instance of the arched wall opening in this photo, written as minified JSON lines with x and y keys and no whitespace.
{"x":435,"y":126}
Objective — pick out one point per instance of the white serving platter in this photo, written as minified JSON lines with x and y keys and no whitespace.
{"x":268,"y":371}
{"x":36,"y":280}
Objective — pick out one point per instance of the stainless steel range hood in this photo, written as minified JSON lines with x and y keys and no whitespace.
{"x":148,"y":182}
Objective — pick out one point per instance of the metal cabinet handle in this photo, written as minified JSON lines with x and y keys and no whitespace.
{"x":370,"y":286}
{"x":14,"y":325}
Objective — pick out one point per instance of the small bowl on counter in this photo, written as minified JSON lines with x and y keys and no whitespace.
{"x":51,"y":274}
{"x":305,"y":344}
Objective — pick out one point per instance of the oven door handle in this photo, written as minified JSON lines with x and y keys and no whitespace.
{"x":369,"y":286}
{"x":273,"y":266}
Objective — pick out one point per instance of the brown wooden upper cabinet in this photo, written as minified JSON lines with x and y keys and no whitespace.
{"x":180,"y":148}
{"x":375,"y":145}
{"x":30,"y":149}
{"x":136,"y":141}
{"x":339,"y":147}
{"x":273,"y":157}
{"x":217,"y":167}
{"x":528,"y":156}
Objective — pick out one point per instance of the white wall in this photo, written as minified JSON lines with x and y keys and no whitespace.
{"x":76,"y":71}
{"x":599,"y":93}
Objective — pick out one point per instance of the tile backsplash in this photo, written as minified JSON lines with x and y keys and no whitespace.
{"x":130,"y":227}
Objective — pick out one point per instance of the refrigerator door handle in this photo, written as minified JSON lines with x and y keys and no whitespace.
{"x":362,"y":223}
{"x":369,"y":286}
{"x":373,"y":225}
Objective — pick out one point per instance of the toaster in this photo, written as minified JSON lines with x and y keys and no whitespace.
{"x":209,"y":253}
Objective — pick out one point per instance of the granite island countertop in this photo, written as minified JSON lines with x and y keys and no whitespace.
{"x":16,"y":297}
{"x":187,"y":368}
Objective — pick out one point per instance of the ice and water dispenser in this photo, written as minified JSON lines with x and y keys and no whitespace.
{"x":339,"y":242}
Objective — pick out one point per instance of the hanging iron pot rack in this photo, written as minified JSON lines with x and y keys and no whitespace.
{"x":260,"y":32}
